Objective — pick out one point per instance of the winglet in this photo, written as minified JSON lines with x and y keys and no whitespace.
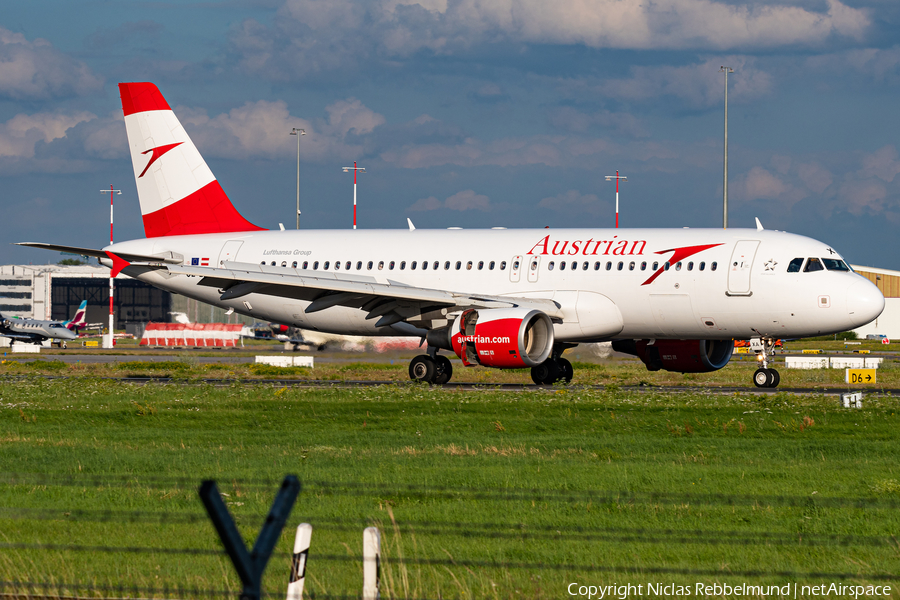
{"x":118,"y":263}
{"x":411,"y":226}
{"x":759,"y":226}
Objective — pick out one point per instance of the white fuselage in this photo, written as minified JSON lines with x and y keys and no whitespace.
{"x":736,"y":285}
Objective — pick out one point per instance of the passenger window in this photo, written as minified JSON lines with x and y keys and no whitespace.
{"x":412,"y":266}
{"x":315,"y":265}
{"x":702,"y":265}
{"x":480,"y":265}
{"x":263,"y":263}
{"x":666,"y":266}
{"x":574,"y":266}
{"x":814,"y":264}
{"x":447,"y":265}
{"x":391,"y":266}
{"x":597,"y":266}
{"x":458,"y":265}
{"x":678,"y":266}
{"x":550,"y":266}
{"x":284,"y":263}
{"x":794,"y":266}
{"x":402,"y":265}
{"x":631,"y":266}
{"x":347,"y":266}
{"x":608,"y":266}
{"x":584,"y":267}
{"x":691,"y":266}
{"x":502,"y":265}
{"x":369,"y":265}
{"x":562,"y":265}
{"x":294,"y":265}
{"x":534,"y":264}
{"x":435,"y":266}
{"x":644,"y":266}
{"x":424,"y":265}
{"x":491,"y":266}
{"x":380,"y":265}
{"x":713,"y":265}
{"x":273,"y":263}
{"x":620,"y":265}
{"x":337,"y":265}
{"x":515,"y":265}
{"x":325,"y":266}
{"x":655,"y":266}
{"x":469,"y":266}
{"x":305,"y":264}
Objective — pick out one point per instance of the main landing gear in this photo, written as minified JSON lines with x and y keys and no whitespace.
{"x":431,"y":368}
{"x":764,"y":377}
{"x":555,"y":368}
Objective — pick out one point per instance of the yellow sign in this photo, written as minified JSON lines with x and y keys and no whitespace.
{"x":92,"y":344}
{"x":742,"y":350}
{"x":813,"y":351}
{"x":861,"y":351}
{"x":860,"y":376}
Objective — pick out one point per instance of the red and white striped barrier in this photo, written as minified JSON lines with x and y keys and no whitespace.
{"x":194,"y":335}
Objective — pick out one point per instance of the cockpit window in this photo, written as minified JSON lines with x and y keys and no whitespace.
{"x":833,"y":264}
{"x":795,"y":265}
{"x":814,"y":264}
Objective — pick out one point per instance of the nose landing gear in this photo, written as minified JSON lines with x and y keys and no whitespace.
{"x":764,"y":377}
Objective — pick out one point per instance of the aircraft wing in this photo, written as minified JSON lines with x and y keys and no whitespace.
{"x":392,"y":301}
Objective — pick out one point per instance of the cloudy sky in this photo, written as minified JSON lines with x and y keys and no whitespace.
{"x":470,"y":113}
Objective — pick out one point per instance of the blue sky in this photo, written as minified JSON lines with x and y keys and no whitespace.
{"x":465,"y":113}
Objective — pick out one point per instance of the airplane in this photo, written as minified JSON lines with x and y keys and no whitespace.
{"x":35,"y":331}
{"x":502,"y":298}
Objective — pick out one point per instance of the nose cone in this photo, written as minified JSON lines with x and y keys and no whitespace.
{"x":864,"y":302}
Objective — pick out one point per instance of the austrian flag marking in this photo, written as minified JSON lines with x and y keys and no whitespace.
{"x":201,"y":262}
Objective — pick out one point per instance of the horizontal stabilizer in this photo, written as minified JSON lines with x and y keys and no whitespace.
{"x":170,"y":258}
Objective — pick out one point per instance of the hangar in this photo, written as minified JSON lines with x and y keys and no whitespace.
{"x":888,"y":282}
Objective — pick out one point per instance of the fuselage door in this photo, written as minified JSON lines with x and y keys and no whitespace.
{"x":515,"y":269}
{"x":229,"y":252}
{"x":739,"y":268}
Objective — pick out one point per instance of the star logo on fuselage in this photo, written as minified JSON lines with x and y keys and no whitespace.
{"x":770,"y":264}
{"x":157,"y":153}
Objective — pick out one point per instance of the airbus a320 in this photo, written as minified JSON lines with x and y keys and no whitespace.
{"x":502,"y":298}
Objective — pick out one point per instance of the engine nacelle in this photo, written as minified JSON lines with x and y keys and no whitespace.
{"x":682,"y":356}
{"x":504,"y":338}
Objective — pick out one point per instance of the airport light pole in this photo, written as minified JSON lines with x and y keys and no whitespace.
{"x":355,"y":170}
{"x":725,"y":70}
{"x":108,"y":343}
{"x":298,"y":132}
{"x":617,"y":178}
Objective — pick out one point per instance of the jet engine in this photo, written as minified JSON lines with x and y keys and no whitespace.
{"x":682,"y":356}
{"x":504,"y":338}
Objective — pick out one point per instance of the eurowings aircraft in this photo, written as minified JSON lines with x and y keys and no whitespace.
{"x":675,"y":298}
{"x":36,"y":331}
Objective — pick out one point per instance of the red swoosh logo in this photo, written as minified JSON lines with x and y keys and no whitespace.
{"x":157,"y":152}
{"x":679,"y":255}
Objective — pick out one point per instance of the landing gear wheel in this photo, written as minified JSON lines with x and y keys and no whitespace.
{"x":443,"y":370}
{"x":63,"y":345}
{"x":546,"y":373}
{"x":565,"y":370}
{"x":761,"y":378}
{"x":774,"y":378}
{"x":422,"y":368}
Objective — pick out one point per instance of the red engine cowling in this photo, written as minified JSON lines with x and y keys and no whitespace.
{"x":504,"y":338}
{"x":682,"y":356}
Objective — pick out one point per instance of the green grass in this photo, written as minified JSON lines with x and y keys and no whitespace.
{"x":595,"y":479}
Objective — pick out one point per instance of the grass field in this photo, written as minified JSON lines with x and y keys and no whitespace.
{"x":483,"y":494}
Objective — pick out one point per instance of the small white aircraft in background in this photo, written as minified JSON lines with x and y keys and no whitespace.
{"x":676,"y":298}
{"x":35,"y":331}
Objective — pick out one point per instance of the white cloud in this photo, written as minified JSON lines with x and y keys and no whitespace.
{"x":700,"y":85}
{"x":574,"y":202}
{"x":460,"y":201}
{"x":317,"y":36}
{"x":36,"y":70}
{"x":883,"y":164}
{"x":575,"y":120}
{"x":261,"y":130}
{"x":20,"y":135}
